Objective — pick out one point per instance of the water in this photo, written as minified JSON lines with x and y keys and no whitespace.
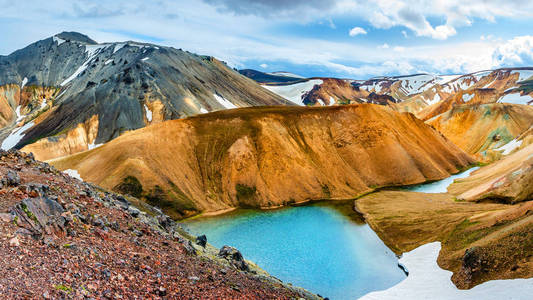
{"x":441,"y":185}
{"x":318,"y":247}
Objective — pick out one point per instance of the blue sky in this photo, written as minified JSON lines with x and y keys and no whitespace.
{"x":340,"y":38}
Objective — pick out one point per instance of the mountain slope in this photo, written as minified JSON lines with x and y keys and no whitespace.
{"x":268,"y":157}
{"x":66,"y":239}
{"x":508,"y":180}
{"x":476,"y":128}
{"x":124,"y":86}
{"x":261,"y":77}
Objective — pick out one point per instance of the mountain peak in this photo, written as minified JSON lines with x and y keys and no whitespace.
{"x":76,"y":36}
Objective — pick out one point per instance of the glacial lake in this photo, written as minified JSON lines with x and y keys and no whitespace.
{"x":324,"y":248}
{"x":440,"y":186}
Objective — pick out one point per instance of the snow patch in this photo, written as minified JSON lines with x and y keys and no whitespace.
{"x":442,"y":79}
{"x":435,"y":99}
{"x":145,"y":59}
{"x":427,"y":280}
{"x":15,"y":136}
{"x":93,"y":145}
{"x":92,"y":51}
{"x":321,"y":102}
{"x":224,"y":102}
{"x":516,"y":98}
{"x":107,"y":62}
{"x":43,"y":104}
{"x":19,"y":116}
{"x":294,"y":92}
{"x":118,"y":47}
{"x":59,"y":41}
{"x":148,"y":113}
{"x":509,"y":147}
{"x":468,"y":97}
{"x":24,"y":81}
{"x":203,"y":110}
{"x":331,"y":101}
{"x":73,"y":173}
{"x":285,"y":74}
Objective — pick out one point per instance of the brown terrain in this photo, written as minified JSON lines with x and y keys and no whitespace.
{"x":269,"y":157}
{"x":341,"y":91}
{"x":509,"y":180}
{"x":476,"y":128}
{"x":484,"y":222}
{"x":480,"y":241}
{"x":61,"y":238}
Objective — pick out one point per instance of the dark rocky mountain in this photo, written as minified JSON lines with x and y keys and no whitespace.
{"x":263,"y":77}
{"x":53,"y":87}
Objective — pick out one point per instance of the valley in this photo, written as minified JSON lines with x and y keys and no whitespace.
{"x":327,"y":187}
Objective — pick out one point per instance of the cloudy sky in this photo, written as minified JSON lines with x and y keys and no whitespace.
{"x":343,"y":38}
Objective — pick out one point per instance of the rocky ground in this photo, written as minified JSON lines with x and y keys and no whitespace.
{"x":61,"y":238}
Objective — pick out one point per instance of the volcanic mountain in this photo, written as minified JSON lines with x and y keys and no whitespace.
{"x":477,"y":128}
{"x":69,"y":93}
{"x":269,"y":157}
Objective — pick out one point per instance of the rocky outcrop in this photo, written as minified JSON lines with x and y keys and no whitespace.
{"x":272,"y":156}
{"x":64,"y":238}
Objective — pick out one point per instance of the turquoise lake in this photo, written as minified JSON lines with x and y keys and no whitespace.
{"x":324,"y":248}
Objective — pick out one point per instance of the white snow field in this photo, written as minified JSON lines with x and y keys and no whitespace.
{"x":427,"y":280}
{"x":73,"y":173}
{"x":515,"y":98}
{"x":294,"y":92}
{"x":224,"y":102}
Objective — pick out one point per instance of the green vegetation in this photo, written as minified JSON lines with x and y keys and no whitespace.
{"x":64,"y":288}
{"x":130,"y":186}
{"x":244,"y":192}
{"x":175,"y":203}
{"x":326,"y":191}
{"x":28,"y":212}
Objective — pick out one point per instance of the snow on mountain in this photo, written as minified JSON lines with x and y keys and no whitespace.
{"x":286,"y":74}
{"x":516,"y":98}
{"x":294,"y":92}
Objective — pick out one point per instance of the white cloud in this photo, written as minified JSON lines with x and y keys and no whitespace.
{"x":399,"y":49}
{"x":517,"y":51}
{"x":247,"y":38}
{"x":357,"y":31}
{"x":264,"y":66}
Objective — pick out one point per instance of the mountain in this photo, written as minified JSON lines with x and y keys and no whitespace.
{"x":508,"y":180}
{"x":427,"y":95}
{"x":77,"y":240}
{"x":267,"y":157}
{"x":273,"y":78}
{"x":69,"y":93}
{"x":478,"y":128}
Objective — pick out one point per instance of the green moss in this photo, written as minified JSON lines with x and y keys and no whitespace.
{"x":64,"y":288}
{"x":326,"y":191}
{"x":172,"y":202}
{"x":130,"y":186}
{"x":244,"y":192}
{"x":28,"y":212}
